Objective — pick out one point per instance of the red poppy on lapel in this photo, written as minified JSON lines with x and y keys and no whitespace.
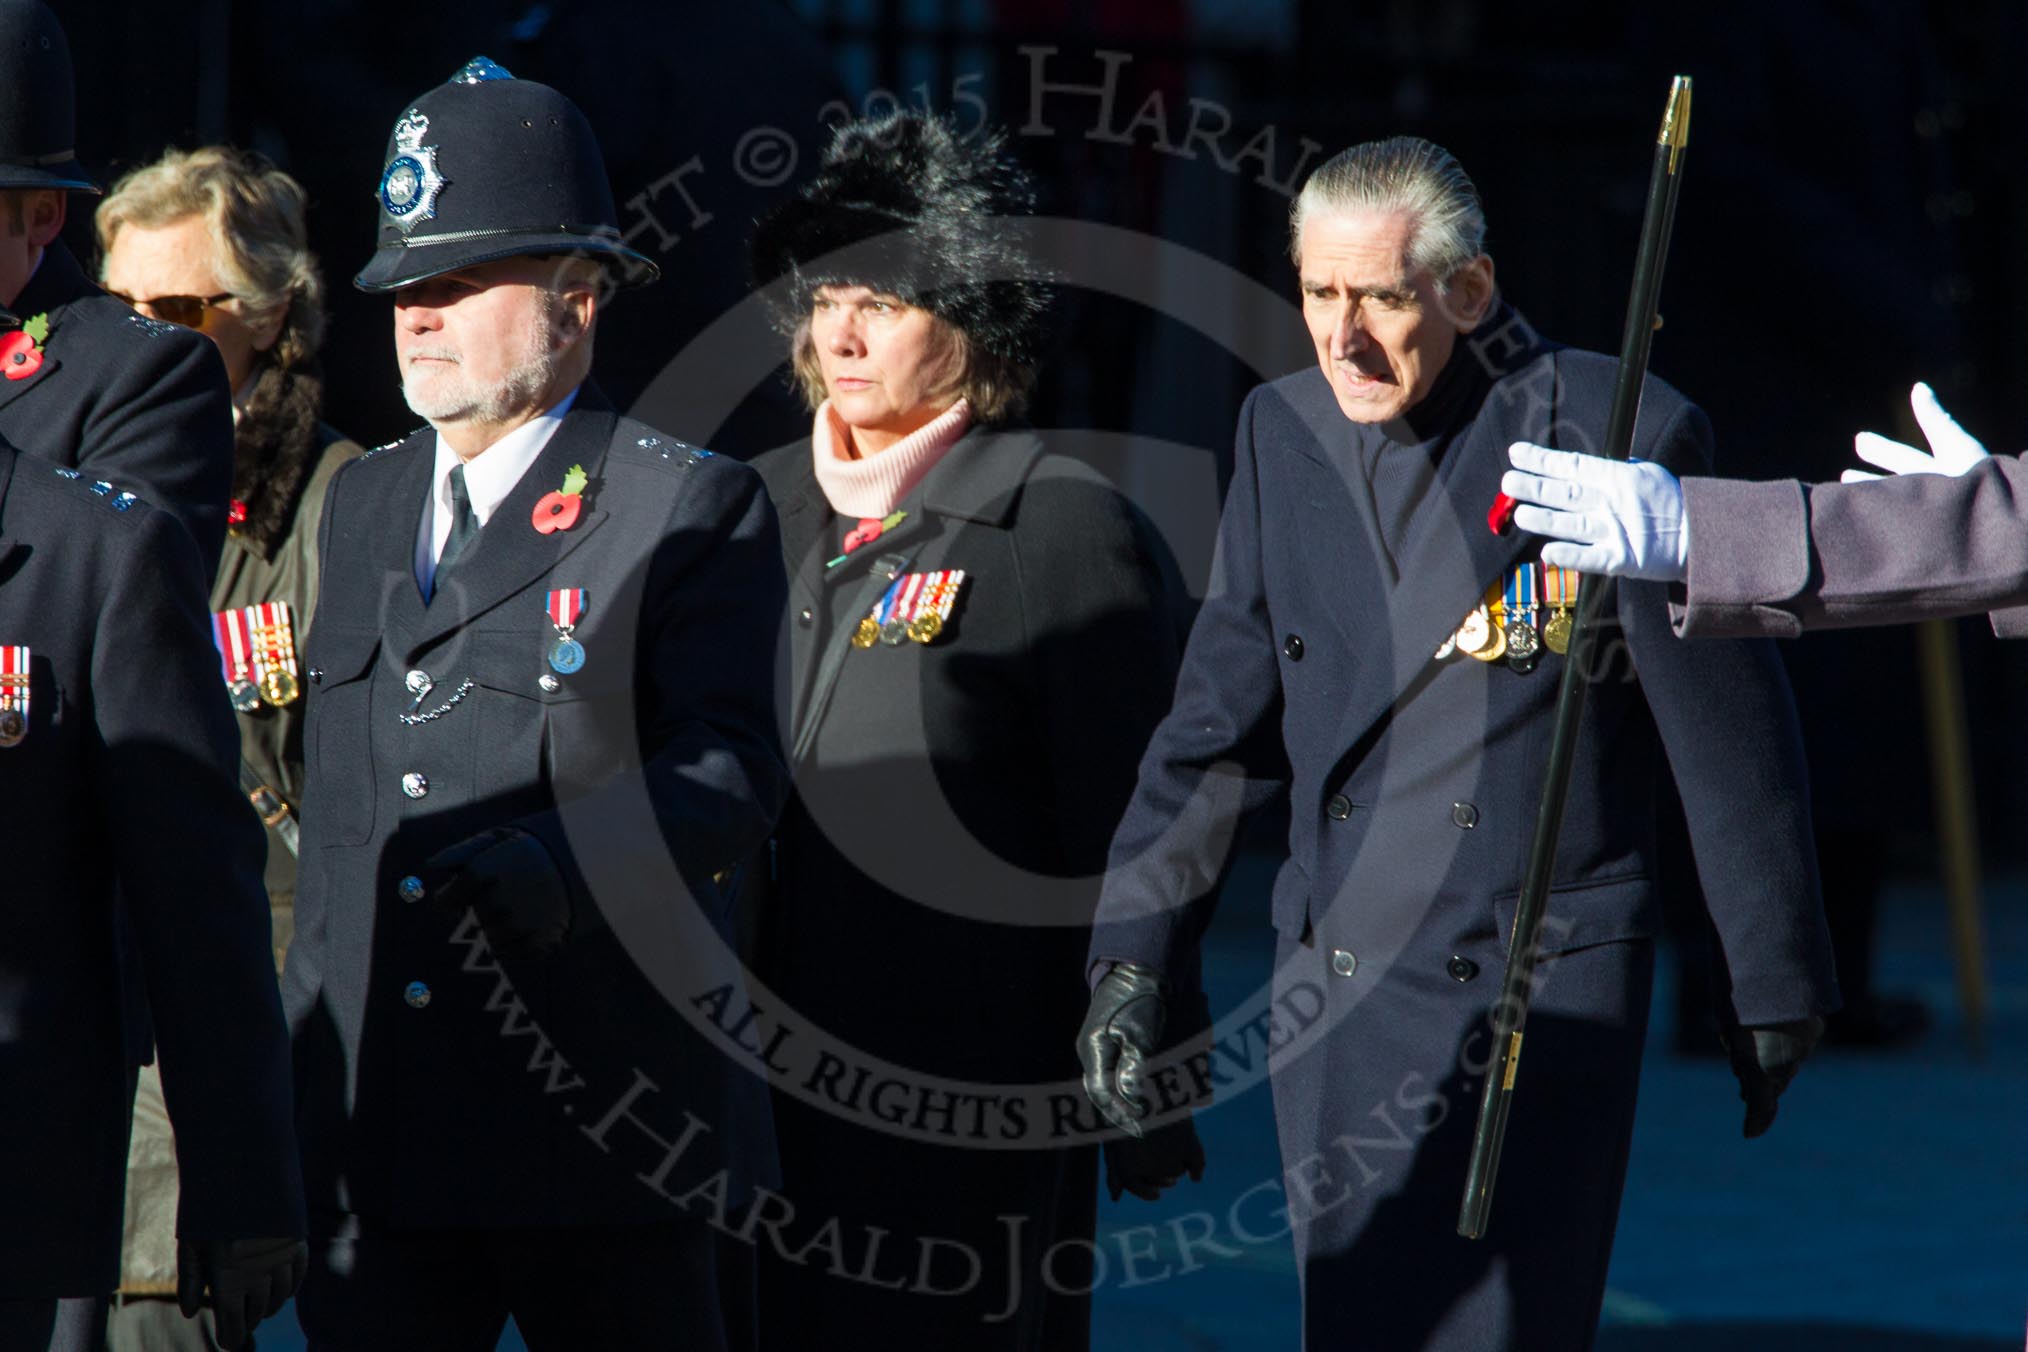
{"x":558,"y":511}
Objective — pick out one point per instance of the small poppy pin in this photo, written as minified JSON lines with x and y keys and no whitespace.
{"x":558,"y":511}
{"x":21,"y":350}
{"x":235,"y":513}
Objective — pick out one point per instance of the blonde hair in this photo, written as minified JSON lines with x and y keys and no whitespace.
{"x":254,"y":215}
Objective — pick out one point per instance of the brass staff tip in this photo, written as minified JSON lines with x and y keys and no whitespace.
{"x":1676,"y":117}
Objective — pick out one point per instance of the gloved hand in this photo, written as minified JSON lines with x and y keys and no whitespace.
{"x":1953,"y":449}
{"x":507,"y":877}
{"x":1122,"y":1028}
{"x":1765,"y":1059}
{"x":249,"y":1279}
{"x":1624,"y":519}
{"x":1155,"y":1162}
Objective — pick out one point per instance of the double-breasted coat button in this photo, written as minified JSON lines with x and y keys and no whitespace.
{"x":417,"y":995}
{"x":550,"y":685}
{"x":806,"y":616}
{"x":1293,"y":646}
{"x":1338,"y":807}
{"x":1461,"y":969}
{"x":411,"y":889}
{"x":1343,"y":962}
{"x":1464,"y":816}
{"x":316,"y":675}
{"x":415,"y":785}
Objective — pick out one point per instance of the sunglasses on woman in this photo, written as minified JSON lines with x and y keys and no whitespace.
{"x":187,"y":311}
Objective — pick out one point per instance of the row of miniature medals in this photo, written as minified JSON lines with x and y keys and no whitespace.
{"x":1534,"y":606}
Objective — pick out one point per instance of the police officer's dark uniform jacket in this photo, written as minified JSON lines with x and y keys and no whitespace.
{"x":416,"y":1106}
{"x":123,"y":778}
{"x":439,"y":1084}
{"x":1412,"y":786}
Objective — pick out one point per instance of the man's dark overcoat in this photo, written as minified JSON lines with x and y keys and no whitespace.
{"x":138,"y":403}
{"x":936,"y":869}
{"x":125,"y":781}
{"x":439,"y":1086}
{"x":1412,"y":786}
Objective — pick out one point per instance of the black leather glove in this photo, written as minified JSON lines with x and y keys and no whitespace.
{"x":249,"y":1279}
{"x":1122,"y":1028}
{"x":1154,"y":1163}
{"x":507,"y":877}
{"x":1765,"y":1059}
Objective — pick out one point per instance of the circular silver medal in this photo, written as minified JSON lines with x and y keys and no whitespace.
{"x":893,"y":633}
{"x":245,"y":696}
{"x":566,"y":656}
{"x":1524,"y":646}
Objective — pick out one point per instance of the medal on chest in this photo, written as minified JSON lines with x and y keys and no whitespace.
{"x":14,"y":691}
{"x":1524,"y":645}
{"x":257,"y":655}
{"x":566,"y":608}
{"x":916,"y":607}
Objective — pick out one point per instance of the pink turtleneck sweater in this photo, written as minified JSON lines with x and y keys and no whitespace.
{"x":874,"y":486}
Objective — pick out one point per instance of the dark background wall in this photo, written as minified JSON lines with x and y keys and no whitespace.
{"x":1853,"y":219}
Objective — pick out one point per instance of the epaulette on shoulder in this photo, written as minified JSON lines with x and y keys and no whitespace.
{"x":154,"y":328}
{"x":115,"y":499}
{"x":668,"y":452}
{"x":398,"y":441}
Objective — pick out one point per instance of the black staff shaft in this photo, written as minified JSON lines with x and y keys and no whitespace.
{"x":1524,"y":944}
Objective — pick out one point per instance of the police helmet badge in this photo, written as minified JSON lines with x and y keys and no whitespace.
{"x":410,"y":183}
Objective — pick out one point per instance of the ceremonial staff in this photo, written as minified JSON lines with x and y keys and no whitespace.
{"x":1524,"y":944}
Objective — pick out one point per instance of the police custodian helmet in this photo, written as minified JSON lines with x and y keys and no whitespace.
{"x":488,"y":167}
{"x":38,"y":102}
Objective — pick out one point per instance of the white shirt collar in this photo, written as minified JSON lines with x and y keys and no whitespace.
{"x":489,"y":477}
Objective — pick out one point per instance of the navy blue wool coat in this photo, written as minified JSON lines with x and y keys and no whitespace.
{"x":1412,"y":786}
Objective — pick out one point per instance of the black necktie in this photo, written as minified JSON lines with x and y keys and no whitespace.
{"x":464,"y":524}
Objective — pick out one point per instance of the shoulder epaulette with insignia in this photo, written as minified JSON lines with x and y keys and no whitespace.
{"x":117,"y":500}
{"x":679,"y":453}
{"x":398,"y":441}
{"x":154,"y":328}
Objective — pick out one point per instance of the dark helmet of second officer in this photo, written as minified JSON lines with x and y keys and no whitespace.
{"x":486,"y":167}
{"x":38,"y":102}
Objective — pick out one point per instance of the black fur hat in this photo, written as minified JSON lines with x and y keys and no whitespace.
{"x":905,"y":205}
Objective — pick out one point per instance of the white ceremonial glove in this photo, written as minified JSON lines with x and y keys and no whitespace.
{"x":1953,"y":449}
{"x":1621,"y":518}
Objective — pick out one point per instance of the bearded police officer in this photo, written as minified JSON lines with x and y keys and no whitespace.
{"x":1393,"y":671}
{"x":84,"y":381}
{"x":116,"y":756}
{"x":542,"y":666}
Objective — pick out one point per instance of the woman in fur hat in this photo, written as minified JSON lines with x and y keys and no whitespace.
{"x":981,"y":643}
{"x":213,"y":240}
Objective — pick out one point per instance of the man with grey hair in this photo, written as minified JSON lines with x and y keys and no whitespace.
{"x":1378,"y":653}
{"x":541,"y":698}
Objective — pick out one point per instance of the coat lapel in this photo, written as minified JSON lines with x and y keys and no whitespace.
{"x":1452,"y":555}
{"x":510,"y":553}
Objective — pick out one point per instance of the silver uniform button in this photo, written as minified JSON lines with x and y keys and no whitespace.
{"x":417,"y":995}
{"x":1343,"y":962}
{"x":418,"y":682}
{"x":550,"y":685}
{"x":411,"y":889}
{"x":415,"y":785}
